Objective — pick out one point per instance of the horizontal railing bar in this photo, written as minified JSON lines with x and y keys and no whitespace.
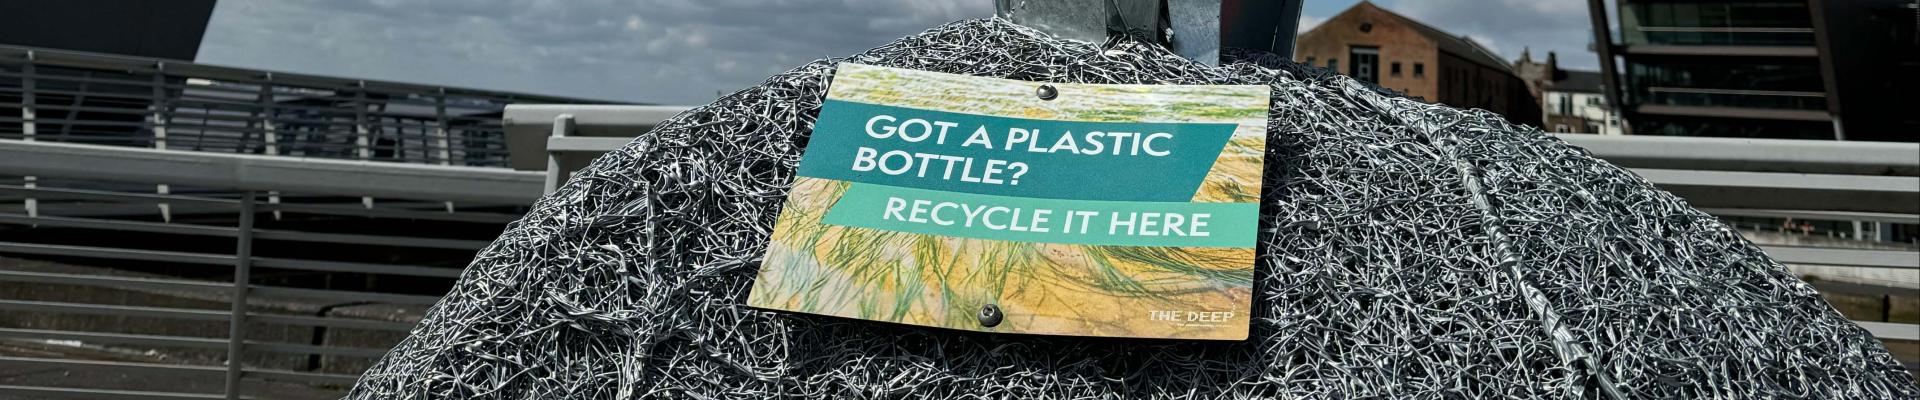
{"x":1816,"y":215}
{"x":93,"y":94}
{"x":131,"y":226}
{"x":253,"y":172}
{"x":315,"y":350}
{"x":1889,"y":330}
{"x":586,"y":143}
{"x":1845,"y":257}
{"x":390,"y":213}
{"x":114,"y":253}
{"x":396,"y":241}
{"x":77,"y":393}
{"x":353,"y":267}
{"x":56,"y":76}
{"x":63,"y":121}
{"x":1786,"y":190}
{"x":136,"y":367}
{"x":131,"y":109}
{"x":113,"y":281}
{"x":346,"y":295}
{"x":185,"y":341}
{"x":126,"y":210}
{"x":309,"y":377}
{"x":196,"y":314}
{"x":83,"y":194}
{"x":304,"y":320}
{"x":130,"y":366}
{"x":117,"y":338}
{"x":1753,"y":155}
{"x":202,"y":230}
{"x":113,"y":310}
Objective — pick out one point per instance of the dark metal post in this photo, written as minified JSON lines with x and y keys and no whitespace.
{"x":242,"y":274}
{"x":1823,"y":38}
{"x":158,"y":124}
{"x":270,"y":132}
{"x":360,"y":131}
{"x":28,"y":120}
{"x":440,"y":130}
{"x":1266,"y":25}
{"x":1609,"y":78}
{"x":361,"y":134}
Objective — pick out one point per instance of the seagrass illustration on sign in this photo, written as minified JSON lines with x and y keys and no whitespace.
{"x":1086,"y":210}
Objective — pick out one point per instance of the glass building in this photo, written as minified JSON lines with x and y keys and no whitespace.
{"x":1784,"y":69}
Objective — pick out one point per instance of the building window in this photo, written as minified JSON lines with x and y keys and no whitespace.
{"x":1396,"y":68}
{"x":1561,"y":128}
{"x":1566,"y":104}
{"x":1366,"y":63}
{"x":1419,"y":70}
{"x":1593,"y":101}
{"x":1333,"y":64}
{"x":1310,"y":61}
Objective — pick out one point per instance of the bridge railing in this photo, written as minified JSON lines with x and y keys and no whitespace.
{"x":78,"y":97}
{"x":239,"y":289}
{"x":1871,"y":183}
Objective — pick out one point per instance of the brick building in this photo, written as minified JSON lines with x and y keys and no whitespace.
{"x":1372,"y":44}
{"x":1572,"y":101}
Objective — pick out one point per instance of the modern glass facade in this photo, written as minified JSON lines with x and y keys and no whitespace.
{"x":1660,"y":125}
{"x":1775,"y":83}
{"x":1771,"y":23}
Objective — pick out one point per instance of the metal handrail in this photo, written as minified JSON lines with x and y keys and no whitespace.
{"x":179,"y":105}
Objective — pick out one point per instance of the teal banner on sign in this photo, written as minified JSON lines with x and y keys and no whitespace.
{"x":1030,"y":219}
{"x":970,"y":153}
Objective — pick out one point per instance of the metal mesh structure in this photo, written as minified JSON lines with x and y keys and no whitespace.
{"x":1407,"y":250}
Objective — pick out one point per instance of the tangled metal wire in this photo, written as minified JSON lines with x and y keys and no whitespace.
{"x":1408,"y":250}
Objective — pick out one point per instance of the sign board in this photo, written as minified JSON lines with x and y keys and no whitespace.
{"x":1009,"y":206}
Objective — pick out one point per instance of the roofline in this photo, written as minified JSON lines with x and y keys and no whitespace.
{"x":1504,"y":66}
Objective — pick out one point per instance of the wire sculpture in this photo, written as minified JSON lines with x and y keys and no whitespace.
{"x":1407,"y":250}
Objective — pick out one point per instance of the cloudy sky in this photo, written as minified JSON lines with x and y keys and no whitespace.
{"x":687,"y":51}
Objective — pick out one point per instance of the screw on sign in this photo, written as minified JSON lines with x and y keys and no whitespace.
{"x":1410,"y":250}
{"x":990,"y":316}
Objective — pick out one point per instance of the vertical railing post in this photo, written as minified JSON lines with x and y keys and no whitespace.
{"x":271,"y":131}
{"x":158,"y":120}
{"x":242,"y":274}
{"x":28,"y":127}
{"x":361,"y":139}
{"x":562,"y":127}
{"x":440,"y":131}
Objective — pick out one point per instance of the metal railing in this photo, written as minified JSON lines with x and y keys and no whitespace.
{"x":227,"y":244}
{"x":1869,"y":182}
{"x":77,"y":97}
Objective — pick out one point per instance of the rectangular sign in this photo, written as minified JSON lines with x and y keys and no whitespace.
{"x":998,"y":205}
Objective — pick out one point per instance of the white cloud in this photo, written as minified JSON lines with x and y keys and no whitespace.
{"x":1308,"y":22}
{"x":1507,"y":26}
{"x":665,"y":51}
